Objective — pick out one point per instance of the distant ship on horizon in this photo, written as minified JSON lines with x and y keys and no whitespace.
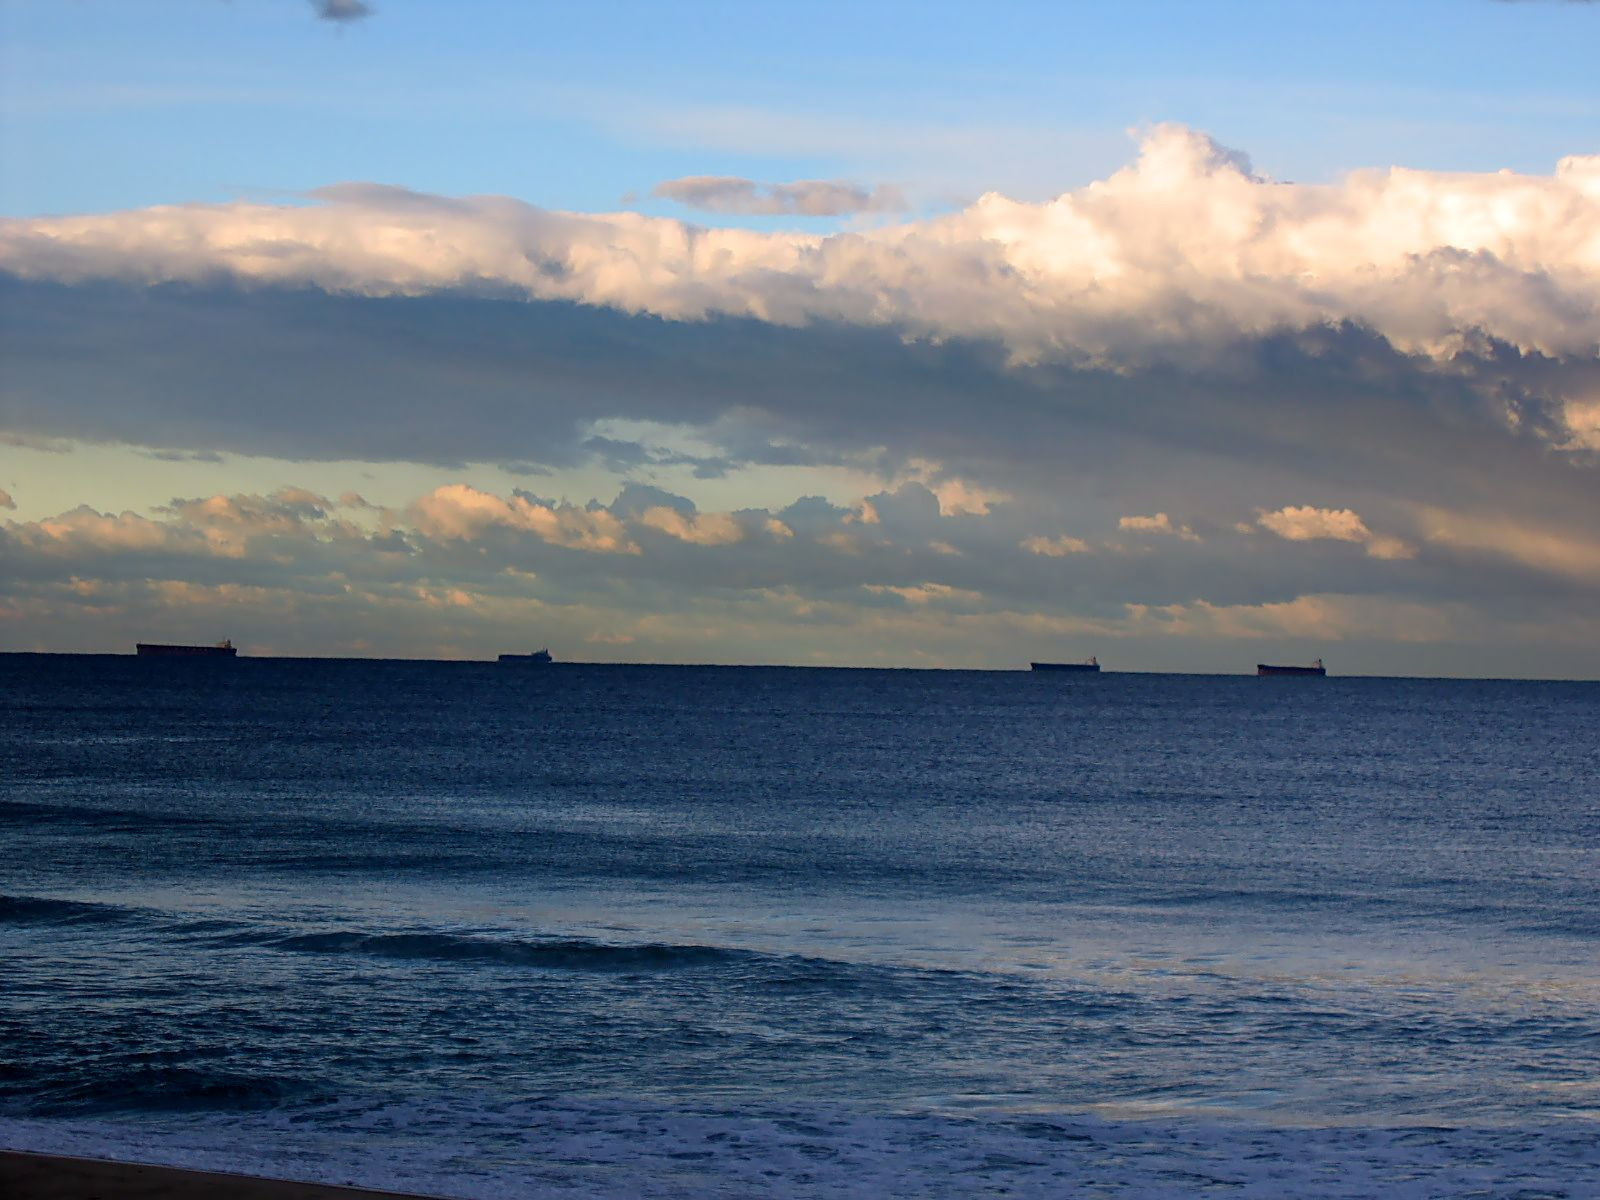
{"x":537,"y":657}
{"x":1091,"y":665}
{"x":223,"y":649}
{"x":1315,"y":668}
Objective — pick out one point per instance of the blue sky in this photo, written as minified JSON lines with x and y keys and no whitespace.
{"x":1182,"y":334}
{"x":121,"y":103}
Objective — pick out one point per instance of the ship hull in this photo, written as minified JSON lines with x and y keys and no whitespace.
{"x":527,"y":660}
{"x":1265,"y":669}
{"x":157,"y":650}
{"x":1079,"y":668}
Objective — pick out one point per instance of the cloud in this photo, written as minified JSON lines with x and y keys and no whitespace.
{"x":1160,"y":523}
{"x":178,"y":456}
{"x":961,"y":497}
{"x":342,"y":11}
{"x":1153,"y":362}
{"x":920,"y":594}
{"x":460,"y":512}
{"x":1582,"y":420}
{"x":44,"y":444}
{"x":708,"y":529}
{"x":1056,"y":547}
{"x":6,"y":501}
{"x":1306,"y":523}
{"x":1176,"y":256}
{"x":804,"y":197}
{"x":463,"y":571}
{"x":83,"y":529}
{"x":1324,"y":617}
{"x":1543,"y":547}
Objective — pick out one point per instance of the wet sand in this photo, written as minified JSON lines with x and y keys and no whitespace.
{"x":52,"y":1177}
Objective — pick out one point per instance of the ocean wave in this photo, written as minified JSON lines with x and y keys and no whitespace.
{"x":1267,"y":898}
{"x":555,"y":953}
{"x":573,"y":954}
{"x":43,"y":910}
{"x":34,"y":812}
{"x":146,"y":1088}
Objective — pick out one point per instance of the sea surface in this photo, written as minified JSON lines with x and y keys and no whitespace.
{"x":609,"y":931}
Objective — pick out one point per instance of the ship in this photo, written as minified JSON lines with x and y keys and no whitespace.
{"x":1091,"y":665}
{"x":160,"y":650}
{"x":1315,"y":668}
{"x":537,"y":658}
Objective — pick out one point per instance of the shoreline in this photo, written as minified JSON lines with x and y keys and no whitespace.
{"x":26,"y":1175}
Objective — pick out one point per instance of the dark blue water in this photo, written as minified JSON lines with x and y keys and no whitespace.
{"x":690,"y":931}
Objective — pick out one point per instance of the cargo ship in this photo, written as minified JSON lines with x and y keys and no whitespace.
{"x":159,"y":650}
{"x":1315,"y":668}
{"x":538,"y":657}
{"x":1091,"y":666}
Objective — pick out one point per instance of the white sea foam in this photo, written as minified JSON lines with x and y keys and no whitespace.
{"x":618,"y":1149}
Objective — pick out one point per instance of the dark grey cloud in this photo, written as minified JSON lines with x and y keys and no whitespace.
{"x":177,"y":456}
{"x":1330,"y":417}
{"x":342,"y":11}
{"x":803,"y":197}
{"x":625,"y":456}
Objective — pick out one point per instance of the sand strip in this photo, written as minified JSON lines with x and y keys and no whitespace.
{"x":26,"y":1176}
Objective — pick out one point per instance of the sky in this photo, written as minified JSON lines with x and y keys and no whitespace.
{"x":1187,"y":335}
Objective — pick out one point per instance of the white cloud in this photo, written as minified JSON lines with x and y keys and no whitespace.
{"x":1305,"y":523}
{"x":960,"y":497}
{"x":803,"y":197}
{"x":5,"y":499}
{"x":234,"y":527}
{"x":865,"y":513}
{"x":1181,"y":253}
{"x":921,"y":594}
{"x":1582,"y":419}
{"x":1389,"y":547}
{"x":464,"y":513}
{"x":1056,"y":547}
{"x":698,"y":529}
{"x":1160,"y":523}
{"x":84,"y":530}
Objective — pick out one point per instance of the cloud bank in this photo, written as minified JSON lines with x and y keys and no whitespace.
{"x":1184,"y":250}
{"x":1184,"y":403}
{"x":464,"y":571}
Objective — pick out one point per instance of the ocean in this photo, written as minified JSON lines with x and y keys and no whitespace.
{"x":613,"y":931}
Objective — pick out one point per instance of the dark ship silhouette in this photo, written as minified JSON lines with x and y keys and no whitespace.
{"x":537,"y":658}
{"x":161,"y":650}
{"x":1315,"y":668}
